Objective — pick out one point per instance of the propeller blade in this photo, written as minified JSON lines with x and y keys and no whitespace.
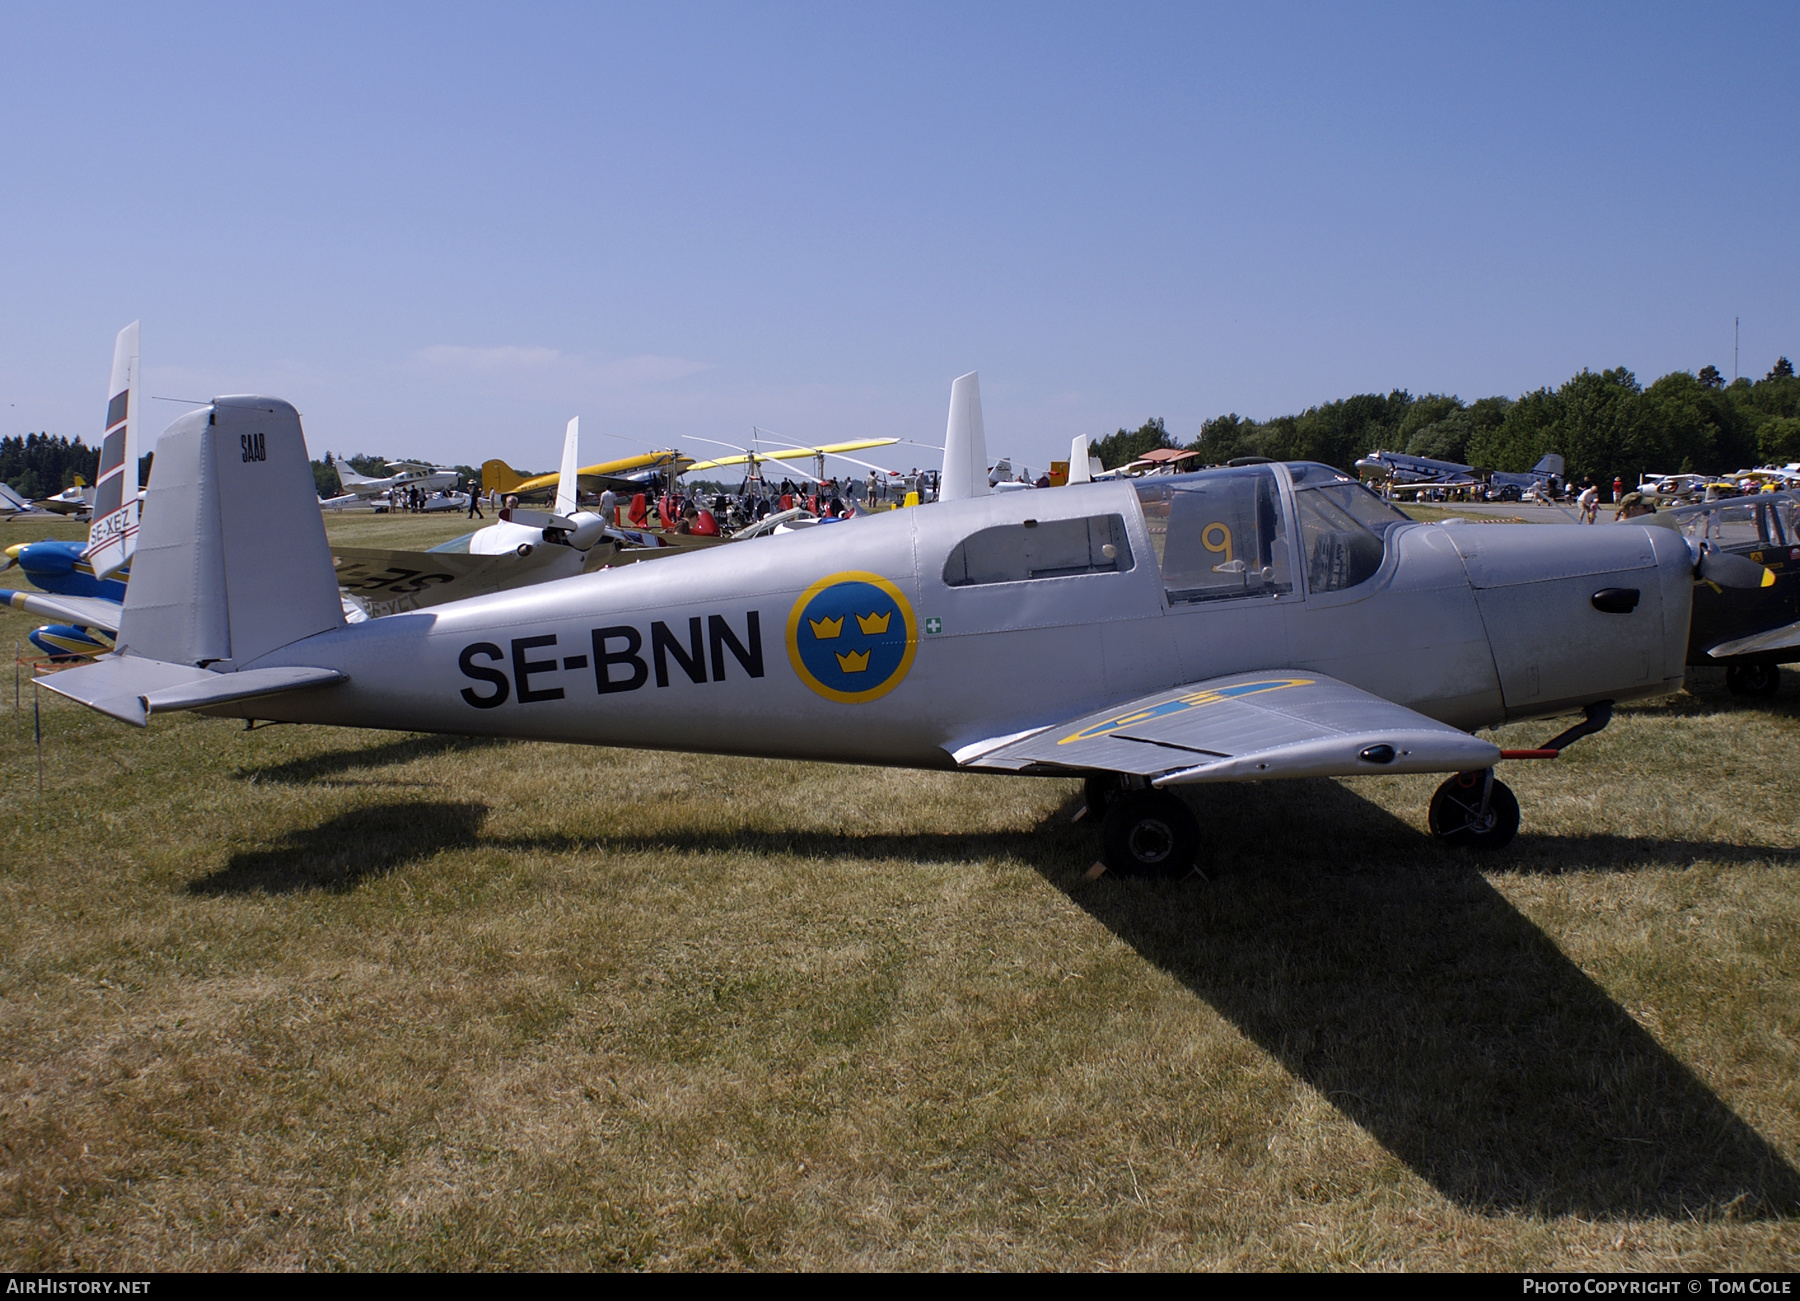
{"x":1728,"y":570}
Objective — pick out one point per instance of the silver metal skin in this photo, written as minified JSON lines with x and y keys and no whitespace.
{"x":847,"y":643}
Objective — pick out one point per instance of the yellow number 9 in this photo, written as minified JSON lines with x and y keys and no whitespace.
{"x":1217,"y":538}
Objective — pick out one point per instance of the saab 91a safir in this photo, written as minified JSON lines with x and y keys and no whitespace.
{"x":1229,"y":625}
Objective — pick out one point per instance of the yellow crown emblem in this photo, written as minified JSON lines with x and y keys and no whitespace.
{"x":823,"y":628}
{"x":854,"y":662}
{"x":874,"y":623}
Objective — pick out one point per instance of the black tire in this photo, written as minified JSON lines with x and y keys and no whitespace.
{"x":1100,"y":792}
{"x":1456,"y":819}
{"x":1149,"y":833}
{"x":1753,"y":679}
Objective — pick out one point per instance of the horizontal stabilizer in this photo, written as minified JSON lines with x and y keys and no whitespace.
{"x":1775,"y":639}
{"x":83,"y":611}
{"x":131,"y":688}
{"x":1243,"y":727}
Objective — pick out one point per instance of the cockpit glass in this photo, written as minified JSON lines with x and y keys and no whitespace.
{"x":1343,"y":527}
{"x":1218,"y":534}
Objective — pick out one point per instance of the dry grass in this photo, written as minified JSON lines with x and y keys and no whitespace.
{"x":319,"y":998}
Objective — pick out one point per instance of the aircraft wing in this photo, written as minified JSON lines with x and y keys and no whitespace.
{"x":792,"y":453}
{"x":87,"y":611}
{"x":1242,"y":727}
{"x":388,"y":582}
{"x":1783,"y":638}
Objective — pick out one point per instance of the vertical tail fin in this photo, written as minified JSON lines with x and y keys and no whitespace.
{"x":565,"y":482}
{"x":112,"y":536}
{"x":232,"y":561}
{"x":348,"y":478}
{"x":498,"y":476}
{"x":1079,"y":470}
{"x":965,"y":443}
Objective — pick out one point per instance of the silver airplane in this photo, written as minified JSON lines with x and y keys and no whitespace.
{"x":1238,"y":624}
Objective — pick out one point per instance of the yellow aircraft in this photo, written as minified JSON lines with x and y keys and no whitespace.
{"x":794,"y":454}
{"x":498,"y":476}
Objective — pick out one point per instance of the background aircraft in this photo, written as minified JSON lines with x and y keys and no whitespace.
{"x":1247,"y":623}
{"x":12,"y":505}
{"x":1411,"y":473}
{"x":407,"y":474}
{"x":1750,"y":631}
{"x":77,"y":501}
{"x":628,"y":474}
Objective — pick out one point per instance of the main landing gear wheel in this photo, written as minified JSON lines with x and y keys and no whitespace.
{"x":1458,"y":818}
{"x":1149,"y":833}
{"x":1752,"y":679}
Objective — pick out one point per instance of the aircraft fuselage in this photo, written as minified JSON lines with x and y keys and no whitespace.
{"x":900,"y":637}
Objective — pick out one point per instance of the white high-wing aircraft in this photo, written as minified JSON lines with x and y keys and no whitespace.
{"x":1238,"y":624}
{"x":406,"y":475}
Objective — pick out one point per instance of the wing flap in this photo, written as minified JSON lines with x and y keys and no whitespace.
{"x":1243,"y":727}
{"x":131,"y":688}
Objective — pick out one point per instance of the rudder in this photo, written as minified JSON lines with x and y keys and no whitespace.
{"x":232,"y":560}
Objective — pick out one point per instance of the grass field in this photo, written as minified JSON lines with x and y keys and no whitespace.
{"x":327,"y":999}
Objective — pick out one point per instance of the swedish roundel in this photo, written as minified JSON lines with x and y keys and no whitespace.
{"x":851,"y":637}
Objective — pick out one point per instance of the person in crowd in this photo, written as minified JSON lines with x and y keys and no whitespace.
{"x":1589,"y":501}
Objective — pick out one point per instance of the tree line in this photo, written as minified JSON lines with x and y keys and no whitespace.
{"x":1604,"y":424}
{"x":39,"y":465}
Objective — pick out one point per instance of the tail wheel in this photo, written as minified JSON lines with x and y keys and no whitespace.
{"x":1457,"y":816}
{"x":1149,"y":833}
{"x":1753,"y":679}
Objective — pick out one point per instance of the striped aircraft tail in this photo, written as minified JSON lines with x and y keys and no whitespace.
{"x":112,"y":536}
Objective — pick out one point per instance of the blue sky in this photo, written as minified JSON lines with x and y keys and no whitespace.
{"x":442,"y":230}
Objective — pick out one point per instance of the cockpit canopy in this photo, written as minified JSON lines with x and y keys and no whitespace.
{"x":1222,"y":534}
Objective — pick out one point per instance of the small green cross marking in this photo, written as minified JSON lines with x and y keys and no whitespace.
{"x":934,"y":626}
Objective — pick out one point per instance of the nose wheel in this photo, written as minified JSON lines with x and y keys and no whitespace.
{"x":1149,"y":833}
{"x":1474,"y":810}
{"x":1753,"y":679}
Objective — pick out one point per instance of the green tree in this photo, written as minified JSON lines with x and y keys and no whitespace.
{"x":1709,"y":376}
{"x":1778,"y":440}
{"x":1128,"y":445}
{"x":1783,"y":369}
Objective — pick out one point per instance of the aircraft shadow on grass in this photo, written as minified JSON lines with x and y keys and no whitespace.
{"x":339,"y":854}
{"x":1427,"y":1009}
{"x":1382,"y":970}
{"x":323,"y":767}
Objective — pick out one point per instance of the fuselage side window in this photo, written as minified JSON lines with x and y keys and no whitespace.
{"x":1052,"y":548}
{"x":1219,"y":534}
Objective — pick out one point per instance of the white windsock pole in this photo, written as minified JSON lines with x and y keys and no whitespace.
{"x":965,"y":443}
{"x":565,"y":482}
{"x":112,"y":537}
{"x":1079,"y":471}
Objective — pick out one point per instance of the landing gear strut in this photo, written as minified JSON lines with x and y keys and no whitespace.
{"x":1752,"y":679}
{"x":1475,"y":811}
{"x":1149,"y":833}
{"x":1101,"y":791}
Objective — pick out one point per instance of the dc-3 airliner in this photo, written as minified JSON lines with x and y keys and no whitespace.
{"x":1236,"y":624}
